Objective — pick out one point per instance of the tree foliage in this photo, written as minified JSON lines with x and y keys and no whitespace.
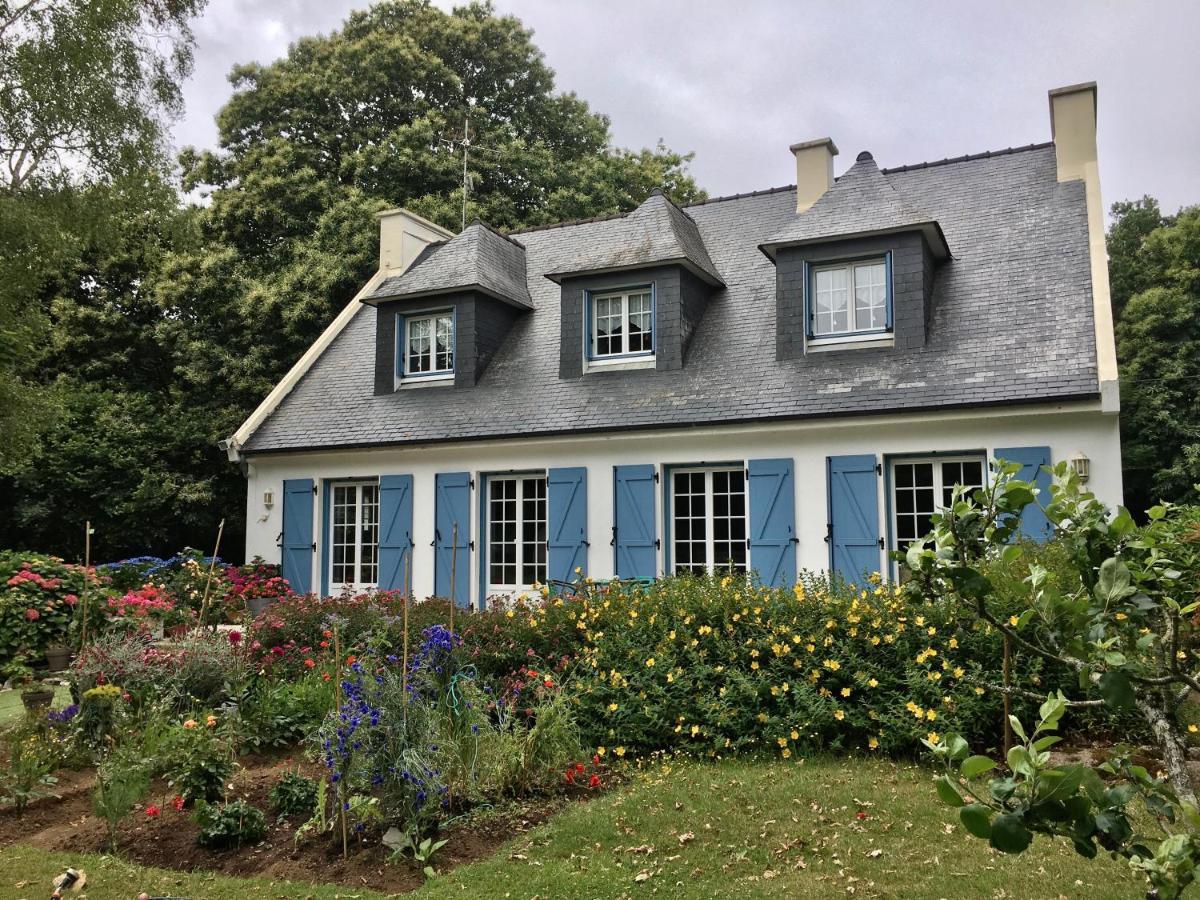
{"x":1155,"y":273}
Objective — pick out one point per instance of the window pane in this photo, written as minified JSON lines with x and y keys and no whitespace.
{"x":729,"y":526}
{"x":689,"y":545}
{"x":607,"y":325}
{"x":444,"y":361}
{"x":870,"y":296}
{"x":641,"y":323}
{"x":368,"y":572}
{"x":502,"y":546}
{"x":832,"y":301}
{"x":533,"y":530}
{"x":420,"y":356}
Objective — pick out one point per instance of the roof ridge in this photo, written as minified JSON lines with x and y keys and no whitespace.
{"x":496,"y":231}
{"x":969,"y":157}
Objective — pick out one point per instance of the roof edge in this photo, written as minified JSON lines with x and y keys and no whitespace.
{"x":682,"y":261}
{"x":372,"y":300}
{"x":930,"y":226}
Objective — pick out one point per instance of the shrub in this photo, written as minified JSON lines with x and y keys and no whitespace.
{"x":255,"y":581}
{"x":277,"y":713}
{"x":232,"y":824}
{"x":198,"y":761}
{"x":38,"y":599}
{"x":31,"y":760}
{"x":122,"y":780}
{"x":294,"y":794}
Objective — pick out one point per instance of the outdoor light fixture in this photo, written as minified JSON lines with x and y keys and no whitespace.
{"x":268,"y":498}
{"x":1081,"y":465}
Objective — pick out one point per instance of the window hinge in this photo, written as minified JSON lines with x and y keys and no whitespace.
{"x":878,"y":468}
{"x":471,"y":546}
{"x":656,"y":476}
{"x":314,"y":546}
{"x":314,"y":489}
{"x":657,"y":544}
{"x":471,"y":482}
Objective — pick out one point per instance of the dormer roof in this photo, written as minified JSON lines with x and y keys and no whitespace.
{"x":479,"y":258}
{"x":656,"y":233}
{"x":861,"y":202}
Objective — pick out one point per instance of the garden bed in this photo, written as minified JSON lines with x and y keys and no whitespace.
{"x":168,"y":840}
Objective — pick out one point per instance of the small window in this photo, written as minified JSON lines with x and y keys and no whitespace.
{"x":622,"y":324}
{"x":923,"y":486}
{"x":516,"y":529}
{"x":428,"y":345}
{"x":851,"y":298}
{"x":708,"y":520}
{"x":354,"y":536}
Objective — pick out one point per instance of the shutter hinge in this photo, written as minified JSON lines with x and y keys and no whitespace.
{"x":314,"y":546}
{"x":279,"y":539}
{"x":828,"y":532}
{"x":314,"y":489}
{"x":656,"y":476}
{"x":657,"y":544}
{"x":471,"y":546}
{"x":881,"y":543}
{"x":878,"y":468}
{"x":613,"y":542}
{"x":471,"y":482}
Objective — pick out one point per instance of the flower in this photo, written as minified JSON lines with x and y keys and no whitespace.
{"x":1193,"y":729}
{"x":152,"y":810}
{"x":178,"y":803}
{"x":873,"y":743}
{"x":594,"y":781}
{"x":32,"y":614}
{"x":933,"y":737}
{"x":190,"y":723}
{"x":235,"y":637}
{"x":211,"y":721}
{"x":308,"y":663}
{"x":620,"y":751}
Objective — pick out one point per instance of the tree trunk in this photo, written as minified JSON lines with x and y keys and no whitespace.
{"x":1174,"y":752}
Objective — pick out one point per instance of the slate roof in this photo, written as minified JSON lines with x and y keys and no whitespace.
{"x":658,"y":231}
{"x":478,"y":257}
{"x":1011,"y":323}
{"x":862,"y":201}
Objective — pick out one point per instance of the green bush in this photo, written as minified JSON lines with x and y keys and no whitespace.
{"x":197,"y":760}
{"x":31,"y":760}
{"x":39,"y":596}
{"x":233,"y":824}
{"x":122,"y":780}
{"x":278,"y":713}
{"x":294,"y":794}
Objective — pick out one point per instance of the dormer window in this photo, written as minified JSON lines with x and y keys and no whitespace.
{"x":850,"y":299}
{"x":427,"y":345}
{"x":621,"y":324}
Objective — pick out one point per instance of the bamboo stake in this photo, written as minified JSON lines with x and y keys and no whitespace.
{"x":211,"y":567}
{"x":405,"y":576}
{"x":87,"y":565}
{"x":337,"y":664}
{"x":1008,"y":735}
{"x":453,"y":573}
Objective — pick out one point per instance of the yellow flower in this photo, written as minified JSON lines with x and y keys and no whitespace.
{"x":839,"y":715}
{"x":1013,"y":620}
{"x":786,"y":752}
{"x":873,"y":743}
{"x":1193,"y":729}
{"x":953,"y":643}
{"x":695,"y":730}
{"x":795,"y":735}
{"x":190,"y":723}
{"x":832,"y":665}
{"x":872,"y":683}
{"x":612,"y":707}
{"x":509,"y":613}
{"x":846,"y":692}
{"x":211,"y":722}
{"x":979,"y":691}
{"x":1121,"y":617}
{"x":600,"y":751}
{"x":781,"y":741}
{"x":931,"y":714}
{"x":810,"y":647}
{"x":754,"y":665}
{"x":650,"y":663}
{"x":933,"y":737}
{"x":620,"y":751}
{"x":958,"y":672}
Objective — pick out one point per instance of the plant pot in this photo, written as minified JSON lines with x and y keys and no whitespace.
{"x":178,"y":631}
{"x":34,"y":700}
{"x":58,"y":658}
{"x":258,"y":605}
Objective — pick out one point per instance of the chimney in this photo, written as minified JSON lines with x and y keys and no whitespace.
{"x":1073,"y":127}
{"x":814,"y":170}
{"x":402,"y":237}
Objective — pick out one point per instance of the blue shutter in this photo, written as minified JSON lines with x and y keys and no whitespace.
{"x":1034,"y":524}
{"x":633,"y":521}
{"x":853,"y":516}
{"x":395,"y":529}
{"x":452,"y":505}
{"x":773,"y":521}
{"x":298,"y":544}
{"x":566,"y":544}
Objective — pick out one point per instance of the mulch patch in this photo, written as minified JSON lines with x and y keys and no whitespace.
{"x":168,"y":840}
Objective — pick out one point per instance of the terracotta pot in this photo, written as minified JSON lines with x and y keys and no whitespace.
{"x":58,"y":658}
{"x":37,"y":699}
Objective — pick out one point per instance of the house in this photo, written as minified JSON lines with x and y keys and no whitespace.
{"x":792,"y":378}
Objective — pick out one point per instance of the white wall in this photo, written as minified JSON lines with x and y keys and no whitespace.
{"x":1066,"y":428}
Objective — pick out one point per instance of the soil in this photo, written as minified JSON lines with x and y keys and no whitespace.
{"x":168,"y":840}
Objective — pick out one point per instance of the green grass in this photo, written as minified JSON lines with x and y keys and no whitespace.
{"x":686,"y":829}
{"x":12,"y":709}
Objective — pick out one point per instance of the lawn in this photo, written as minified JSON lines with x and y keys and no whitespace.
{"x":11,"y":707}
{"x":686,"y":829}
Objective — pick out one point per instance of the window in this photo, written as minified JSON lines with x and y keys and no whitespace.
{"x":851,"y":298}
{"x":923,"y":486}
{"x":516,"y":532}
{"x":354,"y":536}
{"x":428,"y":344}
{"x":622,"y":324}
{"x":708,"y":520}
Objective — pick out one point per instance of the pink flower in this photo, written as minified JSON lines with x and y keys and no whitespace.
{"x":152,"y":810}
{"x":32,"y":614}
{"x":235,"y":637}
{"x":178,"y":803}
{"x":71,"y":599}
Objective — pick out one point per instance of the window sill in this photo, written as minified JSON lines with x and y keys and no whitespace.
{"x":427,"y":381}
{"x":849,"y":342}
{"x":619,"y":364}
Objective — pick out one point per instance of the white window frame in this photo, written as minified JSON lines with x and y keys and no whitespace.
{"x":938,"y":485}
{"x":406,"y":373}
{"x":710,"y":563}
{"x":852,"y":331}
{"x":360,"y":507}
{"x":494,"y":589}
{"x":593,"y":340}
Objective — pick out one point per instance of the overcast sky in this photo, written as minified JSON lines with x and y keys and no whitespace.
{"x":737,"y":81}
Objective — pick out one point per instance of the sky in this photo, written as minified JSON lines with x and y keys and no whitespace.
{"x":738,"y":82}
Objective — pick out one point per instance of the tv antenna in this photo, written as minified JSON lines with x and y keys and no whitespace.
{"x":467,"y":146}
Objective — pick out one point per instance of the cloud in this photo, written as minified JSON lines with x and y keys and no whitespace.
{"x":737,"y":82}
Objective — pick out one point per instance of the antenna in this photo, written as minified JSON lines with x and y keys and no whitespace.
{"x":467,"y":146}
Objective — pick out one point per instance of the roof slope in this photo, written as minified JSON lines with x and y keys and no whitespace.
{"x":658,"y":231}
{"x":478,"y":257}
{"x":862,"y":201}
{"x":1012,"y":322}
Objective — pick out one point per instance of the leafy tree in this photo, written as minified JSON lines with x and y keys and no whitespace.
{"x":1158,"y":347}
{"x":1132,"y":222}
{"x":1125,"y":622}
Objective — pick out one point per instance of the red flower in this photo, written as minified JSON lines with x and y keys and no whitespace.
{"x":71,"y":599}
{"x":235,"y":637}
{"x":579,"y":768}
{"x":308,"y":664}
{"x":152,"y":810}
{"x":596,"y":760}
{"x":178,"y":803}
{"x":570,"y":776}
{"x":860,"y":815}
{"x":351,"y":659}
{"x":594,"y":781}
{"x":32,"y":614}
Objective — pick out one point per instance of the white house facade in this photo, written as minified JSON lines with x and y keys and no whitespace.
{"x":789,"y":379}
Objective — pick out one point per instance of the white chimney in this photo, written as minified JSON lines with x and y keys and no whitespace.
{"x":814,"y":170}
{"x":1073,"y":127}
{"x":402,"y":237}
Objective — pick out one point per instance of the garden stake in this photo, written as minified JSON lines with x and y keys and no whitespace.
{"x":211,"y":566}
{"x":405,"y":575}
{"x":337,"y":662}
{"x":1008,"y":736}
{"x":87,"y":564}
{"x":453,"y":572}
